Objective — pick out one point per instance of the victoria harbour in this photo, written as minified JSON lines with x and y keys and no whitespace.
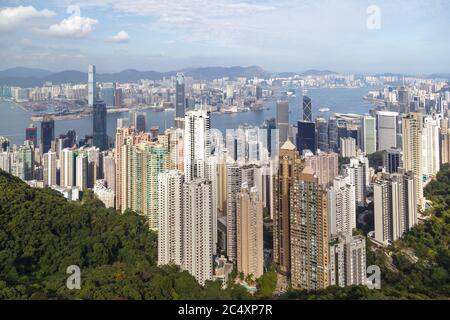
{"x":338,"y":100}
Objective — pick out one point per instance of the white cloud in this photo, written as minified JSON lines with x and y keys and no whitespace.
{"x":225,"y":23}
{"x":12,"y":18}
{"x":72,"y":27}
{"x":121,"y":37}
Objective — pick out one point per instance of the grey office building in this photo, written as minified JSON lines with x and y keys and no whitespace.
{"x":283,"y":121}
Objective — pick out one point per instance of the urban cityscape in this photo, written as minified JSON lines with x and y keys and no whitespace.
{"x":223,"y":183}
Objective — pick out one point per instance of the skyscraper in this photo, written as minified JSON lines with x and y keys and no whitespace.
{"x":342,"y":207}
{"x":109,"y":171}
{"x":289,"y":167}
{"x":170,"y":230}
{"x":403,"y":100}
{"x":23,"y":164}
{"x":325,"y":166}
{"x":348,"y":261}
{"x":386,"y":130}
{"x":368,"y":134}
{"x":180,"y":108}
{"x":92,"y":85}
{"x":124,"y":140}
{"x":67,"y":159}
{"x":141,"y":121}
{"x":118,"y":98}
{"x":99,"y":125}
{"x":395,"y":206}
{"x":107,"y":93}
{"x":430,"y":147}
{"x":143,"y":161}
{"x":47,"y":134}
{"x":272,"y":139}
{"x":283,"y":121}
{"x":250,"y":253}
{"x":322,"y":134}
{"x":237,"y":175}
{"x":357,"y":171}
{"x":306,"y":137}
{"x":307,"y":109}
{"x":445,"y":146}
{"x":31,"y":135}
{"x":309,"y":233}
{"x":348,"y":147}
{"x":333,"y":134}
{"x":49,"y":166}
{"x":198,"y":238}
{"x":197,"y":143}
{"x":412,"y":126}
{"x":392,"y":160}
{"x":82,"y":171}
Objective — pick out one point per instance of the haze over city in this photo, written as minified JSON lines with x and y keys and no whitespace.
{"x":276,"y":35}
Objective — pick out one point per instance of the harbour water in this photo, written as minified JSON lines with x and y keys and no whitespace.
{"x":14,"y":120}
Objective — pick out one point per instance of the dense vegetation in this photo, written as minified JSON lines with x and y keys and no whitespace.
{"x":417,"y":266}
{"x":41,"y":234}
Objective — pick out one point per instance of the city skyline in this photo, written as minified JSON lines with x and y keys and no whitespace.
{"x":277,"y":35}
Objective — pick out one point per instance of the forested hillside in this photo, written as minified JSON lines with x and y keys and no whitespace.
{"x":41,"y":234}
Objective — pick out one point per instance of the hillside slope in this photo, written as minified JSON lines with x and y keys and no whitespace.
{"x":41,"y":234}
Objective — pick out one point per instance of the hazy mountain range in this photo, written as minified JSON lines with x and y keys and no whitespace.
{"x":29,"y":77}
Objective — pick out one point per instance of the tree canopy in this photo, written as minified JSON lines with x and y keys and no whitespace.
{"x":41,"y":234}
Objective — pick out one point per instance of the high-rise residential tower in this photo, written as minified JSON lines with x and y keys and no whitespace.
{"x":197,"y":143}
{"x":49,"y":166}
{"x":395,"y":206}
{"x":309,"y":235}
{"x":67,"y":175}
{"x":82,"y":171}
{"x":237,"y":175}
{"x":250,"y":252}
{"x":289,"y":168}
{"x":170,"y":230}
{"x":342,"y":207}
{"x":348,"y":261}
{"x":412,"y":125}
{"x":198,"y":238}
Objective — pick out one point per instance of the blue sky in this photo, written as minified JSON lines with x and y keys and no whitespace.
{"x":278,"y":35}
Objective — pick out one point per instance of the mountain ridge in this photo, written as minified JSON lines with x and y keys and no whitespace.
{"x":30,"y":77}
